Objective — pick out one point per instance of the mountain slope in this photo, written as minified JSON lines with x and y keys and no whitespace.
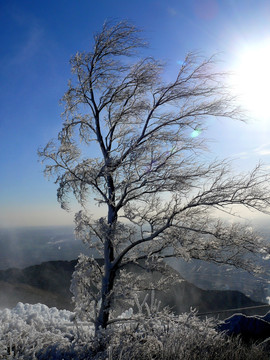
{"x":49,"y":283}
{"x":12,"y":293}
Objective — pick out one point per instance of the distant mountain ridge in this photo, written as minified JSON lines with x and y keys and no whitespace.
{"x":49,"y":284}
{"x":25,"y":247}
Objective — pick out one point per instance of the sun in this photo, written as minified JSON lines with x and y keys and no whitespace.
{"x":251,"y":79}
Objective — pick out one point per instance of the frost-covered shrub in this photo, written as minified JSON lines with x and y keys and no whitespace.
{"x":153,"y":334}
{"x":30,"y":332}
{"x":28,"y":329}
{"x":177,"y":338}
{"x":85,"y":285}
{"x":162,"y":335}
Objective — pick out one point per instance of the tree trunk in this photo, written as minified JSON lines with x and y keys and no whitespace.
{"x":109,"y":272}
{"x":106,"y":299}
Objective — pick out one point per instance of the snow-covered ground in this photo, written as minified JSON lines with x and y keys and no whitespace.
{"x":39,"y":332}
{"x":28,"y":329}
{"x":38,"y":314}
{"x":29,"y":332}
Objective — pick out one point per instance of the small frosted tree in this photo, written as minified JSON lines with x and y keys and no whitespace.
{"x":129,"y":143}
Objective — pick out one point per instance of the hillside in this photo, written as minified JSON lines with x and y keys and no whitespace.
{"x":11,"y":294}
{"x":49,"y":284}
{"x":25,"y":247}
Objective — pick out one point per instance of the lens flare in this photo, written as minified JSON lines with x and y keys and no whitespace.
{"x":195,"y":133}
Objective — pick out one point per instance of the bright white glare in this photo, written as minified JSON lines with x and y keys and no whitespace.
{"x":251,"y":79}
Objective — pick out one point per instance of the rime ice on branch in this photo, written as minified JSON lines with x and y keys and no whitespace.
{"x":158,"y":194}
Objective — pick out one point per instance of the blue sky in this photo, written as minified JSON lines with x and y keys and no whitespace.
{"x":39,"y":37}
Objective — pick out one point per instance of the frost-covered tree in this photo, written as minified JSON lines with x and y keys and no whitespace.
{"x":129,"y":144}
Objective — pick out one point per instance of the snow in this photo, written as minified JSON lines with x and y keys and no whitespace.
{"x":28,"y":330}
{"x":39,"y":316}
{"x":39,"y":311}
{"x":39,"y":332}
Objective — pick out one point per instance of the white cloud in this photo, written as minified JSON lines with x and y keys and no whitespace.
{"x":263,"y":150}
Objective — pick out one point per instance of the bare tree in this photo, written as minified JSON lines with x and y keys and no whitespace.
{"x":130,"y":139}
